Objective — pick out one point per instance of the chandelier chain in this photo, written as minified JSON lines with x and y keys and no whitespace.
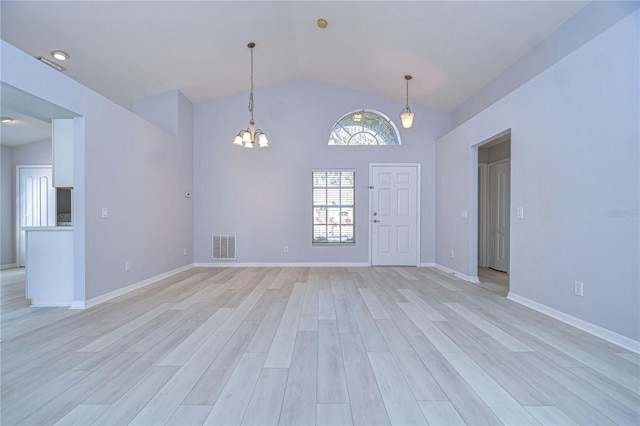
{"x":251,"y":94}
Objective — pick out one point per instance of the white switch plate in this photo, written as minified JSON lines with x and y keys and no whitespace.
{"x":184,"y":252}
{"x":520,"y":213}
{"x":453,"y":254}
{"x":127,"y":265}
{"x":464,"y":214}
{"x":286,"y":249}
{"x":105,"y":212}
{"x":578,"y":287}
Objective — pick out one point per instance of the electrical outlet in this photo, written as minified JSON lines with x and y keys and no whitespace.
{"x":578,"y":288}
{"x":105,"y":212}
{"x":184,"y":251}
{"x":453,"y":254}
{"x":286,"y":249}
{"x":127,"y":265}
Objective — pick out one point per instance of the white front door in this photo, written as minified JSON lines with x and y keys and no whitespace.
{"x":394,"y":215}
{"x":36,"y":203}
{"x":499,"y":208}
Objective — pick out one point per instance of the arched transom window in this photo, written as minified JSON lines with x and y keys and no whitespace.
{"x":364,"y":127}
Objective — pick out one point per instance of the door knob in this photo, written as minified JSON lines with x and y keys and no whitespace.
{"x":375,"y":221}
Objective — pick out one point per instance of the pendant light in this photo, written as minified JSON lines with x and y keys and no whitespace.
{"x":406,"y":116}
{"x":251,"y":135}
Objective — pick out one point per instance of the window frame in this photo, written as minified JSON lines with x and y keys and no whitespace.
{"x":381,"y":115}
{"x":327,"y":206}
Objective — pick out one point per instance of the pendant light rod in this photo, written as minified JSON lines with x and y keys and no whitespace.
{"x":251,"y":45}
{"x":406,"y":116}
{"x":407,"y":77}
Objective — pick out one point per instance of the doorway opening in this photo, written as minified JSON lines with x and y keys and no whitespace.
{"x":494,"y":207}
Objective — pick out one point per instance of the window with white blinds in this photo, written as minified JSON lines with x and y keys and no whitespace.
{"x":333,"y":207}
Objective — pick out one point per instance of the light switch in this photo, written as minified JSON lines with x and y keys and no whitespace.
{"x":105,"y":212}
{"x":464,"y":214}
{"x":520,"y":213}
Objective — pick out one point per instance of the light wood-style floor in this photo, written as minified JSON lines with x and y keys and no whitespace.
{"x":300,"y":346}
{"x":493,"y":280}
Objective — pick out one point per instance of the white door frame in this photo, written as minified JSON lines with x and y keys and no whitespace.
{"x":483,"y":215}
{"x":492,"y":212}
{"x":418,"y":206}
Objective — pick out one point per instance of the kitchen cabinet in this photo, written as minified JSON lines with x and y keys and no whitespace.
{"x":50,"y":265}
{"x":62,"y":143}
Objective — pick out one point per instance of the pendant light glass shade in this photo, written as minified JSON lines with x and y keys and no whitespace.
{"x":248,"y":137}
{"x":263,"y":141}
{"x":406,"y":116}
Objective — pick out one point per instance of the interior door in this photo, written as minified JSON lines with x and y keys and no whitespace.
{"x":499,"y":223}
{"x":394,"y":216}
{"x":36,"y":203}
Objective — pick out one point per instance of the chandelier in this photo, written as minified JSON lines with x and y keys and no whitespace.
{"x":406,"y":116}
{"x":251,"y":135}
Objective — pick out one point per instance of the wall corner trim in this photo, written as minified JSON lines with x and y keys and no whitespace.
{"x":77,"y":304}
{"x":603,"y":333}
{"x":124,"y":290}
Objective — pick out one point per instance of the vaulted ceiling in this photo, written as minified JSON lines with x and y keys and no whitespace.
{"x":128,"y":50}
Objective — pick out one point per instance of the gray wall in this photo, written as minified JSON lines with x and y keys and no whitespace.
{"x":7,"y":244}
{"x":140,"y":173}
{"x":495,"y":153}
{"x":36,"y":153}
{"x":137,"y":170}
{"x":575,"y":170}
{"x":594,"y":18}
{"x":264,"y":195}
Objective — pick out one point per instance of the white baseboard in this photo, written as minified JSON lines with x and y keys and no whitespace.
{"x":603,"y":333}
{"x":281,"y":265}
{"x":8,"y":266}
{"x":427,"y":265}
{"x":457,"y":274}
{"x":51,"y":305}
{"x":124,"y":290}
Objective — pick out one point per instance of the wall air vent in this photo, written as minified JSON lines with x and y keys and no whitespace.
{"x":223,"y":247}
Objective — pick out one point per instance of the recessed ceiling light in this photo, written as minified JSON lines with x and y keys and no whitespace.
{"x":6,"y":119}
{"x":60,"y":55}
{"x":322,"y":23}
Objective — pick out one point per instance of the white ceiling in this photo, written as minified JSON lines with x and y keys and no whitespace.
{"x":129,"y":50}
{"x":31,"y":116}
{"x":23,"y":130}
